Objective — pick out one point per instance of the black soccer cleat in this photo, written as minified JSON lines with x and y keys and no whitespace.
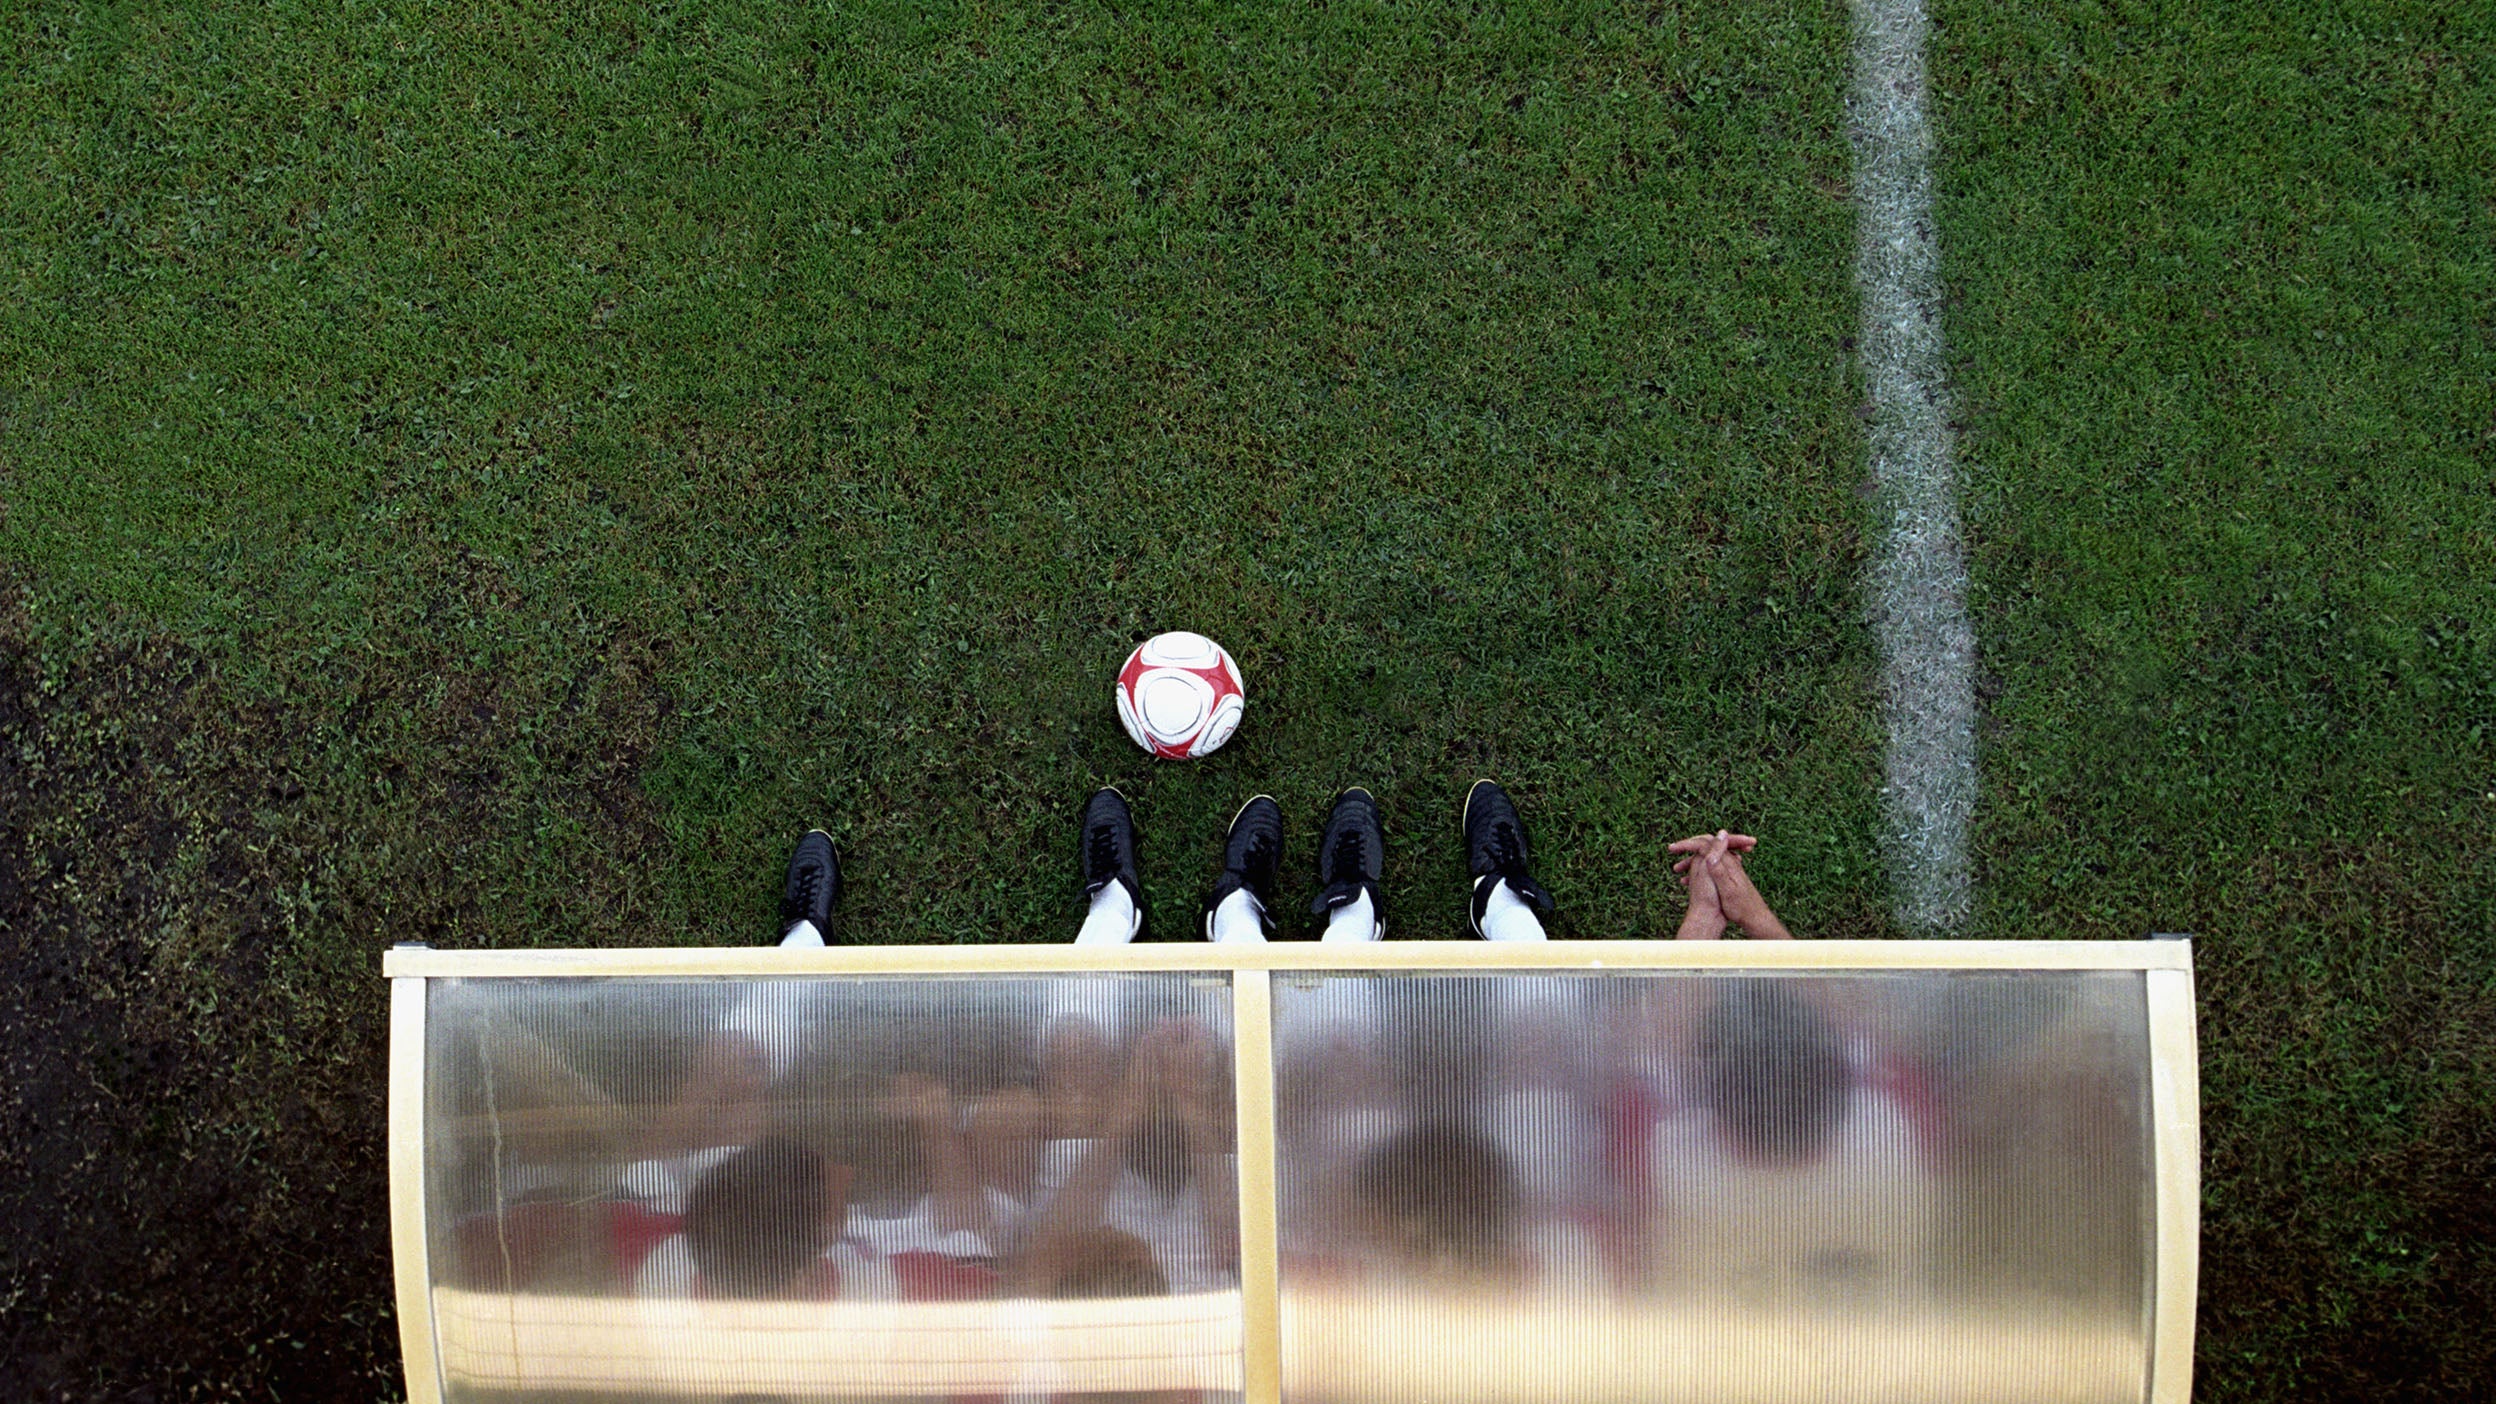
{"x":1251,"y":857}
{"x":814,"y":884}
{"x":1109,"y":849}
{"x":1351,"y":857}
{"x":1495,"y":853}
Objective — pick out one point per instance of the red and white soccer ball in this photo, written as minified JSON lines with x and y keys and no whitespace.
{"x":1180,"y":696}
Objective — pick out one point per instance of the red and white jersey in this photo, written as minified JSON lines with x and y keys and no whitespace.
{"x":904,"y":1258}
{"x":1172,"y":1224}
{"x":888,"y":1260}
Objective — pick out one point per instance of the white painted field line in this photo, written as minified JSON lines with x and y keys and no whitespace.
{"x":1918,"y":584}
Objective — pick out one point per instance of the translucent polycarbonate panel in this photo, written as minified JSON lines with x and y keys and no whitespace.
{"x":975,"y":1188}
{"x":1911,"y":1186}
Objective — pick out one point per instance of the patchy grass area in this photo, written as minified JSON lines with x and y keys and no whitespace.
{"x":492,"y":476}
{"x":2225,"y":319}
{"x":1478,"y":381}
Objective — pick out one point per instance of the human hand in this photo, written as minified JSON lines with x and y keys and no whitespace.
{"x":1696,"y":847}
{"x":1706,"y":918}
{"x":1138,"y":1088}
{"x":1720,"y":863}
{"x":1079,"y":1074}
{"x":1189,"y":1066}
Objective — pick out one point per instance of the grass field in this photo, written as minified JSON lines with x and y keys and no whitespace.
{"x":2226,"y":322}
{"x":492,"y":475}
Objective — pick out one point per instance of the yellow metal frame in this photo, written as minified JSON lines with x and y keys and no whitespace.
{"x":1260,"y":1275}
{"x":410,"y":1252}
{"x":2175,"y":1111}
{"x":2174,"y":1072}
{"x":752,"y":961}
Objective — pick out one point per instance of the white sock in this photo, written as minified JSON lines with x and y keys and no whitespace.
{"x":772,"y":1013}
{"x":1239,"y":917}
{"x":802,"y":934}
{"x":1113,"y":920}
{"x":1508,"y":918}
{"x":1356,"y":920}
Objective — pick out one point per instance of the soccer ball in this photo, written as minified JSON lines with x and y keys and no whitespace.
{"x":1180,"y":696}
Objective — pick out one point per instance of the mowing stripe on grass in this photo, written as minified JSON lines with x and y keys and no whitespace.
{"x":1918,"y":585}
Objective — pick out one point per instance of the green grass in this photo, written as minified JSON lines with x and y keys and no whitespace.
{"x":2225,"y":321}
{"x":532,"y":464}
{"x":491,"y":475}
{"x":1477,"y":381}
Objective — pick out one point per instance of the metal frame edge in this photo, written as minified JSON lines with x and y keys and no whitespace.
{"x":753,"y":961}
{"x":1260,"y":1254}
{"x":410,"y":1259}
{"x":2175,"y":1107}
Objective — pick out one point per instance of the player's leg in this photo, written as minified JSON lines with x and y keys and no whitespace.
{"x":1508,"y":904}
{"x":1241,"y":905}
{"x":813,"y":885}
{"x":1351,"y":858}
{"x":1112,"y":893}
{"x":758,"y":1040}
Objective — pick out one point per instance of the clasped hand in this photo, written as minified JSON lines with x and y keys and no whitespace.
{"x":1720,"y":890}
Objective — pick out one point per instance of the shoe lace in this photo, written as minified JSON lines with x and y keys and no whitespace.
{"x":1100,"y":852}
{"x":1507,"y":848}
{"x":809,"y":881}
{"x":1263,"y":853}
{"x":1345,"y":859}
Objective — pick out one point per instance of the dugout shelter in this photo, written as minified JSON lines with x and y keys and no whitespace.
{"x":1377,"y":1174}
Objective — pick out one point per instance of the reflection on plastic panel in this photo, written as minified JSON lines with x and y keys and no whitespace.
{"x":1538,"y":1188}
{"x":1001,"y":1189}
